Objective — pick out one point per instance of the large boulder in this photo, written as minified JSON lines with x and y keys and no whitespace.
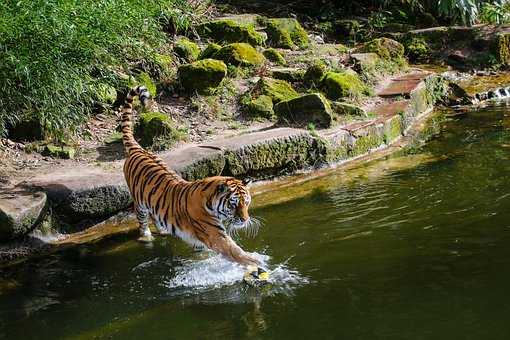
{"x":230,"y":31}
{"x":342,"y":84}
{"x":209,"y":51}
{"x":186,"y":49}
{"x":203,"y":75}
{"x":309,"y":108}
{"x":239,"y":54}
{"x":20,"y":210}
{"x":156,"y":129}
{"x":286,"y":33}
{"x":260,"y":107}
{"x":384,"y":47}
{"x":278,"y":90}
{"x":57,"y":151}
{"x":290,"y":74}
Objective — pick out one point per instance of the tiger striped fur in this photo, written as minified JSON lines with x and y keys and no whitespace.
{"x":194,"y":211}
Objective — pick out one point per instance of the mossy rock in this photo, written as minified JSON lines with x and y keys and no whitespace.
{"x":143,"y":78}
{"x":346,"y":109}
{"x":260,"y":107}
{"x":64,"y":152}
{"x":286,"y":33}
{"x":156,"y":128}
{"x":186,"y":49}
{"x":417,"y":49}
{"x":347,"y":29}
{"x":314,"y":73}
{"x":166,"y":66}
{"x":310,"y":108}
{"x":278,"y":90}
{"x":203,"y":75}
{"x":502,"y":48}
{"x":239,"y":54}
{"x":384,"y":47}
{"x":209,"y":51}
{"x":229,"y":31}
{"x":342,"y":84}
{"x":288,"y":74}
{"x":273,"y":55}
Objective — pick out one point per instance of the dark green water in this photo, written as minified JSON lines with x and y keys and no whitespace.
{"x":413,"y":247}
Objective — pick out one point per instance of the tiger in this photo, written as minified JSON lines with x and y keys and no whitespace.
{"x":195,"y":211}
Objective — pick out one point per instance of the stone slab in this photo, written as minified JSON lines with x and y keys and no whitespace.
{"x":20,"y":210}
{"x":403,"y":85}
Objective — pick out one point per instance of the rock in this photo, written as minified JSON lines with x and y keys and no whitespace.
{"x":384,"y":47}
{"x":239,"y":54}
{"x":152,"y":126}
{"x":273,"y":55}
{"x":186,"y":49}
{"x":246,"y":19}
{"x":28,"y":129}
{"x":314,"y":73}
{"x":260,"y":107}
{"x":277,"y":90}
{"x":229,"y":31}
{"x":363,"y":61}
{"x":209,"y":51}
{"x":143,"y":78}
{"x":65,"y":152}
{"x":341,"y":85}
{"x":457,"y":57}
{"x":286,"y":33}
{"x":309,"y":108}
{"x":456,"y":95}
{"x":288,"y":74}
{"x":20,"y":210}
{"x":202,"y":75}
{"x":341,"y":108}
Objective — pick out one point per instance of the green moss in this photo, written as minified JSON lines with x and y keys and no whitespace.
{"x":273,"y":55}
{"x":384,"y":47}
{"x":278,"y":90}
{"x":239,"y":54}
{"x":346,"y":109}
{"x":392,"y":129}
{"x":314,"y":73}
{"x":502,"y":51}
{"x":186,"y":49}
{"x":65,"y":152}
{"x":371,"y":139}
{"x":209,"y":51}
{"x":105,"y":93}
{"x":286,"y":33}
{"x":166,"y":66}
{"x":260,"y":107}
{"x":155,"y":129}
{"x":229,"y":31}
{"x":308,"y":109}
{"x":340,"y":85}
{"x":144,"y":79}
{"x":417,"y":49}
{"x":203,"y":75}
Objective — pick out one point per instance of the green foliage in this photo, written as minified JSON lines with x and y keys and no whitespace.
{"x":53,"y":53}
{"x":495,"y":13}
{"x":417,"y":49}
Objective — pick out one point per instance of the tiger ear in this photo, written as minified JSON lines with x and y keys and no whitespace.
{"x":247,"y":181}
{"x":222,"y":188}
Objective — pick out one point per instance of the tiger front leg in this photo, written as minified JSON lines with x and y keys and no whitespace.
{"x":142,"y":215}
{"x":223,"y":244}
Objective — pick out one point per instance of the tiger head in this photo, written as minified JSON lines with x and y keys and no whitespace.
{"x":229,"y":202}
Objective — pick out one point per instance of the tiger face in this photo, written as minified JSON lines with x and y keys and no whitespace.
{"x":232,"y":202}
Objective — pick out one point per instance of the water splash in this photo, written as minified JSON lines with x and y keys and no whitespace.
{"x":217,"y":280}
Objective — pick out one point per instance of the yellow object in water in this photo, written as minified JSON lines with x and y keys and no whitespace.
{"x":255,"y":275}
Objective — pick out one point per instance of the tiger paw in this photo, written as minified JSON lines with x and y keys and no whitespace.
{"x":146,"y":238}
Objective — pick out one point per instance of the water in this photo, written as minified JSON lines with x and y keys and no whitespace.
{"x":412,"y":247}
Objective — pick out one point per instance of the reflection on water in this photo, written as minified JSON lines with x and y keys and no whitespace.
{"x":410,"y":247}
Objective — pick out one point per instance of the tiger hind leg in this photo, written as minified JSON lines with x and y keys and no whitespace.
{"x":142,"y":215}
